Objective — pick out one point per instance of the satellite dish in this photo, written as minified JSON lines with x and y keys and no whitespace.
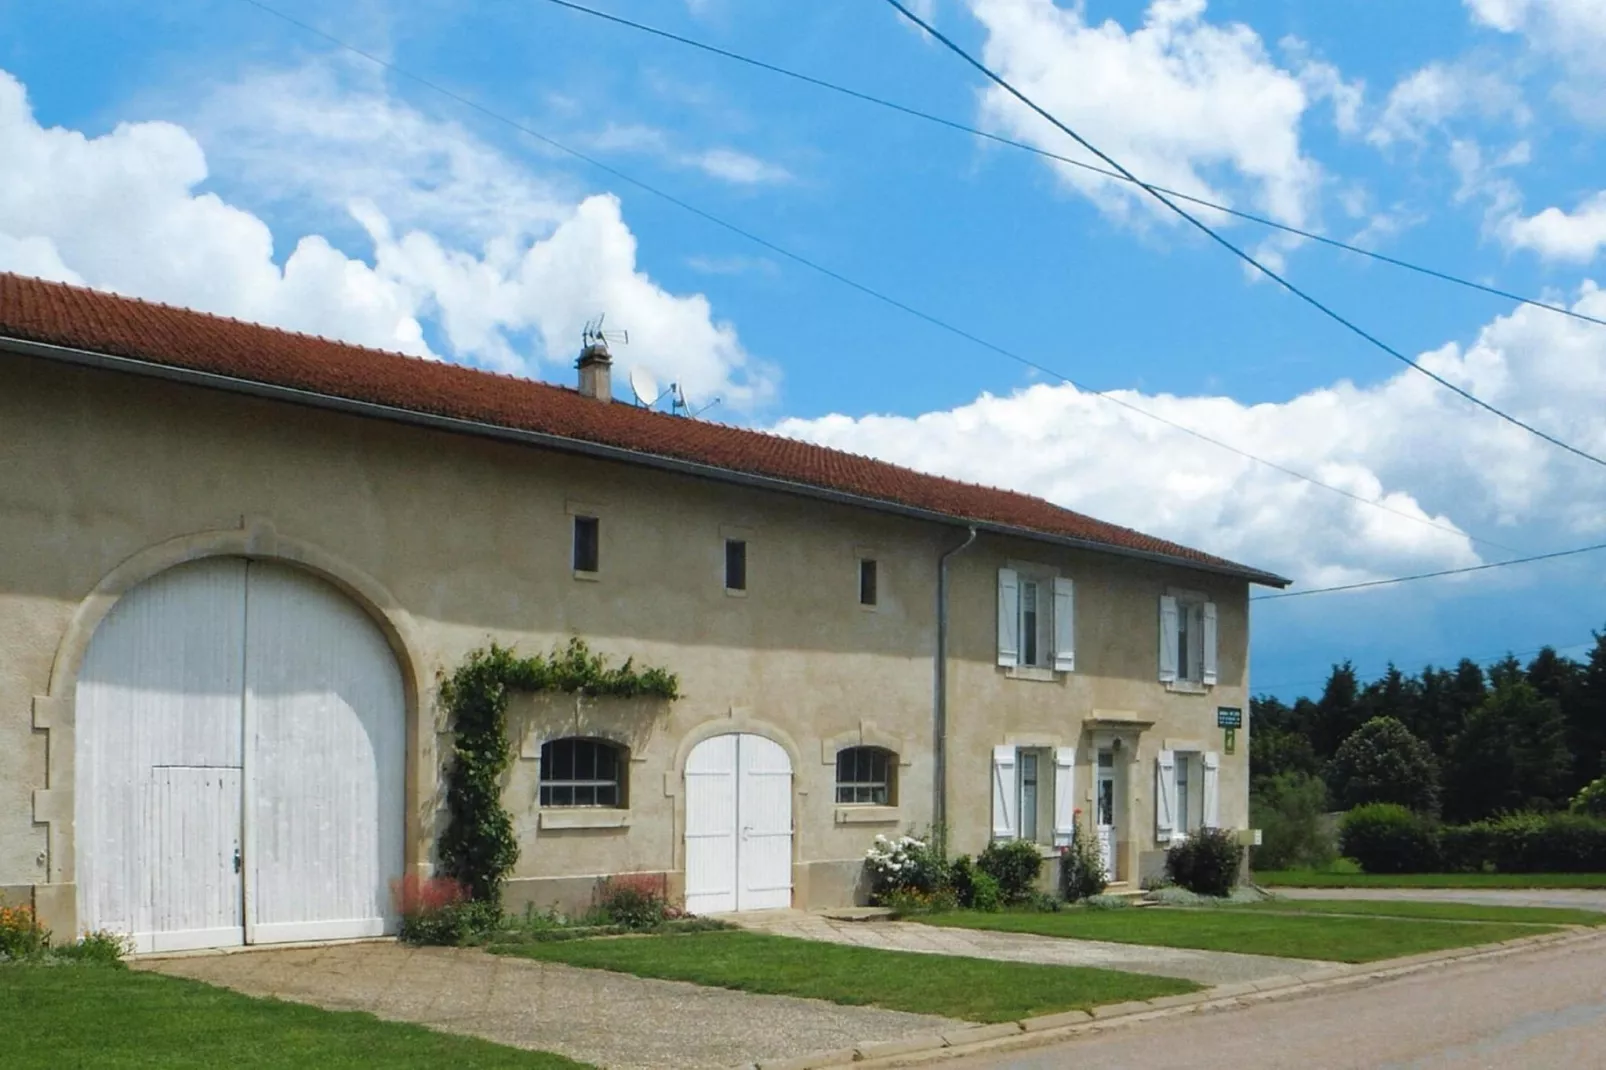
{"x":644,"y":387}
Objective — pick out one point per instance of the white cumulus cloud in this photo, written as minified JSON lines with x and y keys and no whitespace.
{"x":1406,"y":442}
{"x":1182,"y":102}
{"x":504,"y":265}
{"x":1559,"y":235}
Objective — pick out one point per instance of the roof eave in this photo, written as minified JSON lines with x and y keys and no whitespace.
{"x":459,"y":425}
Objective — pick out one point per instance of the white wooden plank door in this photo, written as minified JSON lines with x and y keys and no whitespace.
{"x":193,"y":821}
{"x":324,"y":762}
{"x":764,"y":808}
{"x":157,"y":746}
{"x":711,"y":826}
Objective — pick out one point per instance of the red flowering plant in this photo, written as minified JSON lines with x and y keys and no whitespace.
{"x":636,"y":901}
{"x":438,"y":910}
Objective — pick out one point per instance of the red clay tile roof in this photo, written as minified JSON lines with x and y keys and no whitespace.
{"x":54,"y":314}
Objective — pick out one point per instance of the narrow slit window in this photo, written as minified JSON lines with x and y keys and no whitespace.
{"x":867,"y":582}
{"x":585,"y":544}
{"x":735,"y":565}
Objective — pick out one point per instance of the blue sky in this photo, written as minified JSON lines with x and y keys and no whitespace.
{"x":209,"y":154}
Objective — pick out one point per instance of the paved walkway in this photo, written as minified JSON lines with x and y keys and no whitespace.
{"x":610,"y":1019}
{"x":1206,"y":967}
{"x":1576,"y":898}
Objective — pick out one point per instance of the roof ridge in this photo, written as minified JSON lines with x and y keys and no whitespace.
{"x":156,"y":333}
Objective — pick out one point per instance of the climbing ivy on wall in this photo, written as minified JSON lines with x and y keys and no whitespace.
{"x":478,"y":848}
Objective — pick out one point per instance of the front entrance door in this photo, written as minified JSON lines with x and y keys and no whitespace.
{"x":1104,"y":807}
{"x":738,"y":825}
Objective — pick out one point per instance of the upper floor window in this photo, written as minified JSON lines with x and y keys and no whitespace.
{"x":868,"y":595}
{"x":1036,"y":620}
{"x":736,"y":564}
{"x":1187,"y":640}
{"x":866,"y":775}
{"x":586,"y":544}
{"x":582,"y":772}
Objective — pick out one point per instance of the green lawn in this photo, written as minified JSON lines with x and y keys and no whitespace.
{"x":1299,"y":936}
{"x":975,"y":990}
{"x":1312,"y":878}
{"x":81,"y":1016}
{"x":1395,"y":908}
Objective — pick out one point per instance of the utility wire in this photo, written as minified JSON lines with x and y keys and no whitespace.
{"x":951,"y":124}
{"x":1234,"y":249}
{"x":816,"y":266}
{"x":1431,"y":575}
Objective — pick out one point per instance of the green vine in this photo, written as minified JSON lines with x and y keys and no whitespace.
{"x":478,"y":848}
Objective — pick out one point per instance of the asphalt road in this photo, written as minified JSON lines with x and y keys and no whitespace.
{"x":1536,"y":1010}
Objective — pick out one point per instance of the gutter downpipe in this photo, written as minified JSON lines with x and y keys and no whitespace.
{"x":939,"y":712}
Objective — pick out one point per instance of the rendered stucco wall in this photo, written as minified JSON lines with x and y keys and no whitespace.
{"x":468,"y":541}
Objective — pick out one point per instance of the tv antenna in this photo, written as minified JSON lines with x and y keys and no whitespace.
{"x":592,"y":334}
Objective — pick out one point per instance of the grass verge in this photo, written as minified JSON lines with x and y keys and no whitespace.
{"x":68,"y":1016}
{"x":1408,"y":908}
{"x":973,"y":990}
{"x":1298,"y":936}
{"x":1314,"y":878}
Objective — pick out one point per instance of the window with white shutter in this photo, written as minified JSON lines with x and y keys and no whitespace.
{"x":1165,"y":796}
{"x":1008,"y":617}
{"x":1208,"y":618}
{"x":1064,"y":625}
{"x":1006,"y":803}
{"x":1169,"y":632}
{"x":1064,"y":795}
{"x":1212,"y":790}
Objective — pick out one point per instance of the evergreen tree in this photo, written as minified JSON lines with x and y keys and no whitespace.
{"x":1382,"y":762}
{"x":1511,"y":756}
{"x":1586,"y":717}
{"x":1338,"y":712}
{"x":1507,"y":670}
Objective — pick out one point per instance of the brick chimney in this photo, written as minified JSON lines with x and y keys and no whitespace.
{"x":596,"y":371}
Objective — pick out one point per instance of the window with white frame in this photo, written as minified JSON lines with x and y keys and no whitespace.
{"x":1034,"y":794}
{"x":1036,"y":620}
{"x":1187,"y":795}
{"x":1187,"y":639}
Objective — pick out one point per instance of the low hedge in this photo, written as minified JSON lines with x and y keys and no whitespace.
{"x":1401,"y":842}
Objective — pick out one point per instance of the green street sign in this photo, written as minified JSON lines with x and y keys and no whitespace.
{"x":1229,"y":717}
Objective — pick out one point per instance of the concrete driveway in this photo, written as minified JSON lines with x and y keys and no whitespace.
{"x":1576,"y":898}
{"x":609,"y":1019}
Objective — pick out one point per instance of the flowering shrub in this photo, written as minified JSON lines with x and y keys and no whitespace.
{"x":438,"y":910}
{"x":1082,"y":874}
{"x":21,"y":935}
{"x":636,"y":900}
{"x":904,"y":864}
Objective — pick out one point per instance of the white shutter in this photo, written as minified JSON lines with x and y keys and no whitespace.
{"x":1168,"y":639}
{"x":1008,"y":617}
{"x":1006,"y":799}
{"x":1210,"y":642}
{"x":1064,"y":795}
{"x":1064,"y":625}
{"x":1165,"y":796}
{"x":1212,"y":794}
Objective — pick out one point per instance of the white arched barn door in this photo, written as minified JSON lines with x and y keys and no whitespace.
{"x":738,"y":825}
{"x":240,"y":762}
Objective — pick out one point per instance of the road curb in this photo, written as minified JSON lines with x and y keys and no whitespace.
{"x":1065,"y":1025}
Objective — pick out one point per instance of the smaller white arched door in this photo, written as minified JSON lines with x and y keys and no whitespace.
{"x":738,"y":825}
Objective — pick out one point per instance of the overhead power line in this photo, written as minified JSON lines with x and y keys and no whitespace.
{"x":1431,"y":575}
{"x":1246,"y":257}
{"x":882,"y":102}
{"x":837,"y":276}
